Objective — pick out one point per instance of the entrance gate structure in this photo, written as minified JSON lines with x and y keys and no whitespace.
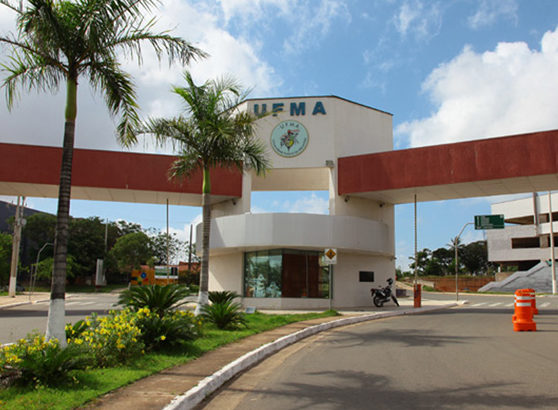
{"x":274,"y":260}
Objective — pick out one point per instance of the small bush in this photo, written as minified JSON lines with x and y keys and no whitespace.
{"x":173,"y":329}
{"x":113,"y":339}
{"x":35,"y":360}
{"x":75,"y":330}
{"x":222,"y":296}
{"x":225,"y":315}
{"x":159,"y":299}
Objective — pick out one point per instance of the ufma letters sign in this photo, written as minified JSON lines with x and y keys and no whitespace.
{"x":294,"y":108}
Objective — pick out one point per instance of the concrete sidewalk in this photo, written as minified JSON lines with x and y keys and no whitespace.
{"x":23,"y":298}
{"x":182,"y":387}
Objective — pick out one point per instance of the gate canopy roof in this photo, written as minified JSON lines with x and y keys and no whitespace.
{"x":495,"y":166}
{"x":34,"y":171}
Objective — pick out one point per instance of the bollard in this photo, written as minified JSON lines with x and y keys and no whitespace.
{"x":417,"y":295}
{"x":532,"y":293}
{"x":523,"y":317}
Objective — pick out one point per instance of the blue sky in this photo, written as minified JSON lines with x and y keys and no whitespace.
{"x":447,"y":70}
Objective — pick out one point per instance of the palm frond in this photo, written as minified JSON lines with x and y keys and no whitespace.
{"x":120,"y":97}
{"x":28,"y":72}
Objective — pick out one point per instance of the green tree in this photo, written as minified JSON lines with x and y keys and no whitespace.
{"x":423,"y":258}
{"x":38,"y":230}
{"x":132,"y":250}
{"x":62,"y":42}
{"x":86,"y":244}
{"x":125,"y":227}
{"x":45,"y":266}
{"x":433,"y":267}
{"x":445,"y":259}
{"x":159,"y":243}
{"x":214,"y":134}
{"x":5,"y":257}
{"x":474,"y":257}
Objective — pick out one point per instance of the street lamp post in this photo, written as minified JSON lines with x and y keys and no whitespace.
{"x":34,"y":275}
{"x":455,"y":242}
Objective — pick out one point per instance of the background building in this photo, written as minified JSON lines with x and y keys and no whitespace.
{"x":525,"y":241}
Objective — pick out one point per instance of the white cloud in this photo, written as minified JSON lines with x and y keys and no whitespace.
{"x":506,"y":91}
{"x":309,"y":205}
{"x":414,"y":18}
{"x":490,"y":11}
{"x":310,"y":24}
{"x":38,"y":118}
{"x":252,"y":9}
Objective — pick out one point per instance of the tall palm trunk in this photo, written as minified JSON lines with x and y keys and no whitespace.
{"x":206,"y":225}
{"x":56,"y":311}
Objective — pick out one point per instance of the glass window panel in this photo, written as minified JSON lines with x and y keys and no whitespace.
{"x":285,"y":273}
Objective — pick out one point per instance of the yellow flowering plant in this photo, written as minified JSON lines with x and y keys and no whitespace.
{"x":112,"y":339}
{"x":35,"y":360}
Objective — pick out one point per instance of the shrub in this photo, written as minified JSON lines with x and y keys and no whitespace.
{"x":159,"y":299}
{"x":75,"y":330}
{"x":172,"y":329}
{"x":41,"y":362}
{"x":222,"y":296}
{"x":112,"y":339}
{"x":224,"y":315}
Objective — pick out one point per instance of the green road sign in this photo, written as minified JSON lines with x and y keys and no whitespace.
{"x":489,"y":221}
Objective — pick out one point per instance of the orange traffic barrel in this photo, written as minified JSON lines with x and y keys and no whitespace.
{"x":523,"y":317}
{"x":532,"y":293}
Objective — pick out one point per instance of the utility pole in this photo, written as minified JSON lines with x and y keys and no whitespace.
{"x":18,"y":223}
{"x":552,"y":256}
{"x":190,"y":252}
{"x":455,"y":243}
{"x":168,"y":253}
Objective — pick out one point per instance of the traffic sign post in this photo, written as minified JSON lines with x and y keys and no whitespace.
{"x":489,"y":222}
{"x":330,"y":258}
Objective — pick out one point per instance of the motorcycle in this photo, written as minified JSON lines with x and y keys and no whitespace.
{"x":383,"y":295}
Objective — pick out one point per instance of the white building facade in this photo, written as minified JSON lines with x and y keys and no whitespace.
{"x":525,"y":241}
{"x":275,"y":260}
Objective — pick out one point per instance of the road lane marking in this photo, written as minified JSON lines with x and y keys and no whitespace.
{"x":495,"y":304}
{"x":479,"y":304}
{"x":545,"y":304}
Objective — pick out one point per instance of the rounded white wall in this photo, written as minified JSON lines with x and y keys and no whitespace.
{"x":305,"y":231}
{"x":227,"y":270}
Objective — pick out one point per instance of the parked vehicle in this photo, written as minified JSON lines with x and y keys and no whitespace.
{"x":383,"y":295}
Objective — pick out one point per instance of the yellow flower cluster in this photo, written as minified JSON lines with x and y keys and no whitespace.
{"x":11,"y":355}
{"x":143,"y":312}
{"x":111,"y":338}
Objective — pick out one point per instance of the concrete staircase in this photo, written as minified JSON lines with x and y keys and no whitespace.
{"x":538,"y":278}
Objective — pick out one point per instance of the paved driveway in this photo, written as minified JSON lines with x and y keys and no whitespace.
{"x":463,"y":358}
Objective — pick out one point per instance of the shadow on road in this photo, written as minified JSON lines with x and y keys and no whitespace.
{"x":360,"y":390}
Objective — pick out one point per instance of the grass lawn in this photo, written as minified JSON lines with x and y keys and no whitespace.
{"x":96,"y":382}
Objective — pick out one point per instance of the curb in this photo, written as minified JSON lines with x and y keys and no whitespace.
{"x":210,"y":384}
{"x":23,"y":303}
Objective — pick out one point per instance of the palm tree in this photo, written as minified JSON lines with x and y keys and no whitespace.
{"x":62,"y":41}
{"x":215,"y":133}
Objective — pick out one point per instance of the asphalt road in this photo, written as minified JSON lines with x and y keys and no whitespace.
{"x":465,"y":358}
{"x":17,"y":322}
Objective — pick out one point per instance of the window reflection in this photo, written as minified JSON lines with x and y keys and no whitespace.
{"x":285,"y":273}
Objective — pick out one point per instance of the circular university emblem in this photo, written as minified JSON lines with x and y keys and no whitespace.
{"x":289,"y":138}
